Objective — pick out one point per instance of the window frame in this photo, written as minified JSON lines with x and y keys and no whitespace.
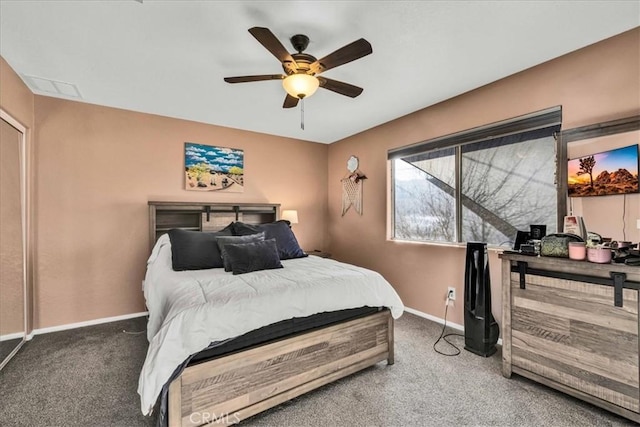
{"x":529,"y":122}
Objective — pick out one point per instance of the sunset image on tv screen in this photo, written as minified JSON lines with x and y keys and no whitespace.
{"x":610,"y":172}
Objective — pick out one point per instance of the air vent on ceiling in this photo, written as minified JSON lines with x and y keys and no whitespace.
{"x":53,"y":87}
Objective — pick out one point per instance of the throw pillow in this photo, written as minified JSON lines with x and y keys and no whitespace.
{"x":256,"y":256}
{"x":286,"y":241}
{"x":195,"y":250}
{"x":225,"y":240}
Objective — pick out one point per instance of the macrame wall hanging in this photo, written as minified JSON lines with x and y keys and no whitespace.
{"x":352,"y":187}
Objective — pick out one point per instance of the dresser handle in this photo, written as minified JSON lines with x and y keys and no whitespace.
{"x":522,"y":269}
{"x":618,"y":284}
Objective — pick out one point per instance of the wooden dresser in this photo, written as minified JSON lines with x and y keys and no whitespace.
{"x":573,"y":326}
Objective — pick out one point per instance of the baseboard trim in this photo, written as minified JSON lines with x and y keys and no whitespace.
{"x":12,"y":336}
{"x":433,"y":318}
{"x":84,"y":324}
{"x":145,"y":313}
{"x":439,"y":320}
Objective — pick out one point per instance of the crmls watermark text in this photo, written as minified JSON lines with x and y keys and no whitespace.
{"x":213,"y":418}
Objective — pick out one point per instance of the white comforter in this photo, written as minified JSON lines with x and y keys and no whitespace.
{"x":190,"y":309}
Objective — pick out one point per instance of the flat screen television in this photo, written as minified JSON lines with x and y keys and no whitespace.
{"x":610,"y":172}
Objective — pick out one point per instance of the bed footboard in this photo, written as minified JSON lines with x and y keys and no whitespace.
{"x":231,"y":388}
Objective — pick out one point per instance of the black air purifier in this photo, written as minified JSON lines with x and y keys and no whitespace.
{"x":480,"y":328}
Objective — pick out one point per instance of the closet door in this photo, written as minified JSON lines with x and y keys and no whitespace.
{"x":12,"y":238}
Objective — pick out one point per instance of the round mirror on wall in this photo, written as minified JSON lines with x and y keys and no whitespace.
{"x":352,"y":164}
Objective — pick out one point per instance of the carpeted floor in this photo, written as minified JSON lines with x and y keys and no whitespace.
{"x":89,"y":376}
{"x":6,"y":347}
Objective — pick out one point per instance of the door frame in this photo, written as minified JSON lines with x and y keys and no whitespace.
{"x":24,"y":177}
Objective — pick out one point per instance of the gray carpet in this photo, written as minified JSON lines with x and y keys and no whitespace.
{"x":89,"y":376}
{"x":6,"y":347}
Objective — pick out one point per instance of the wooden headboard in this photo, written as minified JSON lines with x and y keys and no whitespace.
{"x":205,"y":216}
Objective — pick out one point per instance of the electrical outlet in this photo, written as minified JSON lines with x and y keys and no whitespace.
{"x":451,"y":293}
{"x":638,"y":224}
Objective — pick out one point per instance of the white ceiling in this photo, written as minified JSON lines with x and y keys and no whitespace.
{"x":169,"y":57}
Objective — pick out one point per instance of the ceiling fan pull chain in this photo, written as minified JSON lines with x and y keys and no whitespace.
{"x":302,"y":114}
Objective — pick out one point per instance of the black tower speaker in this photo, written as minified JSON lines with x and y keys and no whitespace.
{"x":480,"y":328}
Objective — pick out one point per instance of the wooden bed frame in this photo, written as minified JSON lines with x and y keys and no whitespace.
{"x":233,"y":387}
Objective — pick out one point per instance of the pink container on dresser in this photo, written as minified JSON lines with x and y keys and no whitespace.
{"x":577,"y":250}
{"x":599,"y":254}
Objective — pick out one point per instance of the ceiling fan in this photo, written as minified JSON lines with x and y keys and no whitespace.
{"x":301,"y":69}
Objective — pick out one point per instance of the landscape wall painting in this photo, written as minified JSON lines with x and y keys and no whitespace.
{"x":209,"y":168}
{"x":610,"y":172}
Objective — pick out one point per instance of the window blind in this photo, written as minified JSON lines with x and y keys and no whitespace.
{"x":548,"y":120}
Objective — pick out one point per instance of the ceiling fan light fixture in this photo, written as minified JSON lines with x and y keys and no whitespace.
{"x":300,"y":85}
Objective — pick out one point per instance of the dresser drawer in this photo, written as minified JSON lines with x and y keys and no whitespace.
{"x":571,"y":332}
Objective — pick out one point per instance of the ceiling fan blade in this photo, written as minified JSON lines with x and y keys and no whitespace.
{"x":348,"y":53}
{"x":290,"y":101}
{"x":244,"y":79}
{"x":342,"y":88}
{"x":273,"y":45}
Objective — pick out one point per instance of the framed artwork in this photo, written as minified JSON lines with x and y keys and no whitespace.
{"x":605,"y":173}
{"x":209,"y":168}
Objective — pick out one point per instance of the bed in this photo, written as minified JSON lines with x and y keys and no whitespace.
{"x":224,"y":347}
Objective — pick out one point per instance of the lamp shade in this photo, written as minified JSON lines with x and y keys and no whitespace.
{"x":300,"y":85}
{"x":290,"y":215}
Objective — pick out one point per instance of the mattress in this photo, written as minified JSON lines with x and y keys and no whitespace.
{"x":190,"y":310}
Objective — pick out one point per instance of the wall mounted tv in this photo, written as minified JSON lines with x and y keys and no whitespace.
{"x":610,"y":172}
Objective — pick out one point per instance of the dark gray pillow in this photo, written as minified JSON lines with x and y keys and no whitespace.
{"x":195,"y":250}
{"x":288,"y":246}
{"x":225,"y":240}
{"x":256,"y":256}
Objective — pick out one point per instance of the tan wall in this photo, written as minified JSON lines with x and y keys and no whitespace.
{"x":96,"y":169}
{"x":18,"y":101}
{"x":15,"y":97}
{"x":594,"y":84}
{"x":604,"y":214}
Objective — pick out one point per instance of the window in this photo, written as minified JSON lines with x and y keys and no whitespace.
{"x":476,"y":186}
{"x":424,"y":190}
